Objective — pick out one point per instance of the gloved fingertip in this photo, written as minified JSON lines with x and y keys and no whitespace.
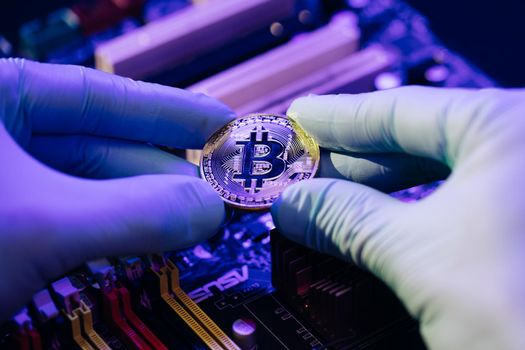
{"x":214,"y":106}
{"x":218,"y":112}
{"x":312,"y":111}
{"x":297,"y":106}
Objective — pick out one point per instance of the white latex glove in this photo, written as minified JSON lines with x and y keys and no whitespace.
{"x":88,"y":123}
{"x":456,"y":259}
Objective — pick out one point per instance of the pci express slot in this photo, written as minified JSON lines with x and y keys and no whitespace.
{"x":186,"y":34}
{"x":320,"y":62}
{"x":194,"y":317}
{"x":258,"y":78}
{"x":353,"y":74}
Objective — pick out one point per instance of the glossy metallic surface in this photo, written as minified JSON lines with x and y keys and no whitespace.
{"x":251,"y":160}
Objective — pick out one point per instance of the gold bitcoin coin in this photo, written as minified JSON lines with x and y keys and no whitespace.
{"x":251,"y":160}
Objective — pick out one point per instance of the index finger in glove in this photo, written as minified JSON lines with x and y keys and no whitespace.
{"x":428,"y":122}
{"x":60,"y":99}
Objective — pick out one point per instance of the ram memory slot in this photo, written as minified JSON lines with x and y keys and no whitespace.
{"x":182,"y":313}
{"x":196,"y":311}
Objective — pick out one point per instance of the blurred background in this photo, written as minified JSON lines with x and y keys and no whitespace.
{"x":489,"y":33}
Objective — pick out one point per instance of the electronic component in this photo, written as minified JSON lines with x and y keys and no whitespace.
{"x":68,"y":296}
{"x":244,"y":333}
{"x":340,"y":301}
{"x":186,"y":34}
{"x":79,"y":316}
{"x":437,"y":75}
{"x":81,"y":323}
{"x":132,"y":267}
{"x":354,"y":74}
{"x":264,"y":80}
{"x":131,"y":329}
{"x":211,"y":334}
{"x":119,"y":313}
{"x":387,"y":80}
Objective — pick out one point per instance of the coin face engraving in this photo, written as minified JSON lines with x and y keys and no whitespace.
{"x":260,"y":160}
{"x":251,"y":160}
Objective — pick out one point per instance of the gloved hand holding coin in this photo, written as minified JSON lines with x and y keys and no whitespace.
{"x":456,"y":258}
{"x":60,"y":123}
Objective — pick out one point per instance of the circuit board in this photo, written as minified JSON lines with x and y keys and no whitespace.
{"x":228,"y":292}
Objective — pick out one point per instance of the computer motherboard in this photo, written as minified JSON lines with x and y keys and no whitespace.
{"x":248,"y":287}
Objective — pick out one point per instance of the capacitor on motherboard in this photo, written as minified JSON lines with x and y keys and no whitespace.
{"x":437,"y":75}
{"x":244,"y":333}
{"x":387,"y":80}
{"x":432,"y":70}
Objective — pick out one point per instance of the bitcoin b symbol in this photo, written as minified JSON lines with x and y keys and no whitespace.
{"x":260,"y":160}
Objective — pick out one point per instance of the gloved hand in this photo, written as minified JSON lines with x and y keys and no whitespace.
{"x":88,"y":123}
{"x":456,"y":259}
